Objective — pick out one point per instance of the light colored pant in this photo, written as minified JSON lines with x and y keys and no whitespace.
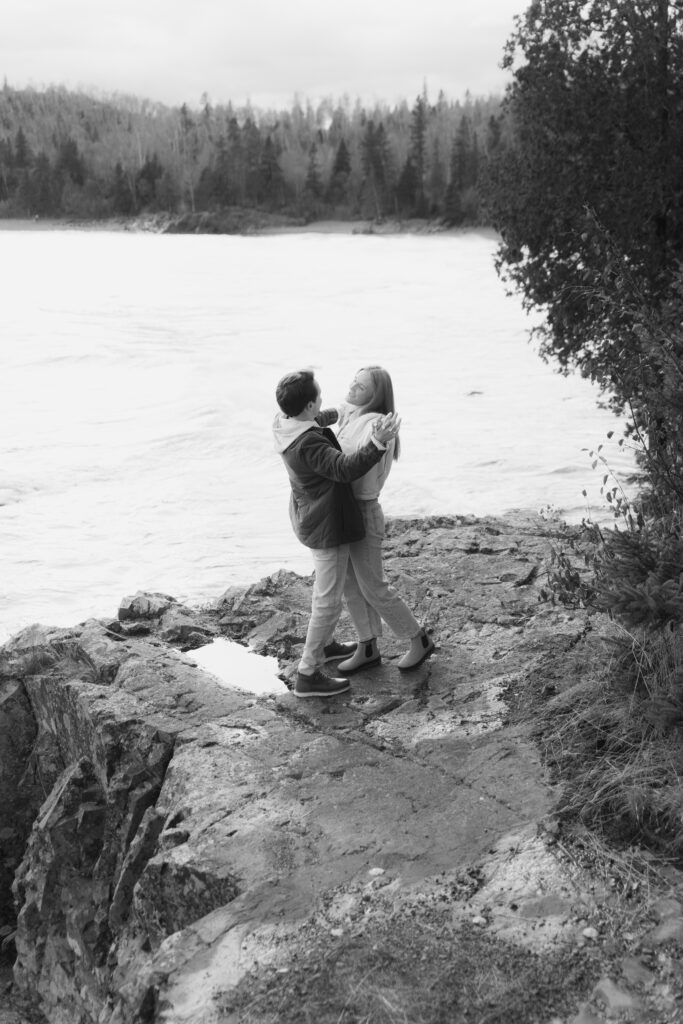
{"x":369,"y":597}
{"x":326,"y":604}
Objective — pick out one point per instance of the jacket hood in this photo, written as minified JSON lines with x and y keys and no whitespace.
{"x":286,"y":430}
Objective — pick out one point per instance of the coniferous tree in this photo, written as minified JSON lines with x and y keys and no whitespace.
{"x":236,"y":167}
{"x":494,"y":134}
{"x":462,"y":198}
{"x":453,"y":211}
{"x":22,"y":152}
{"x":337,"y":190}
{"x":221,"y":185}
{"x":70,"y":162}
{"x":464,"y":162}
{"x":188,"y":148}
{"x":204,"y":192}
{"x":42,"y":197}
{"x":407,"y":189}
{"x":146,"y":182}
{"x":418,"y":142}
{"x":437,"y":180}
{"x":453,"y":208}
{"x":23,"y":196}
{"x":376,"y":170}
{"x":122,"y":192}
{"x":7,"y":175}
{"x":271,"y":178}
{"x":167,"y":192}
{"x":313,"y":185}
{"x":252,"y":145}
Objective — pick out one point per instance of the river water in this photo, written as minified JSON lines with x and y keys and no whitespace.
{"x":137,"y":394}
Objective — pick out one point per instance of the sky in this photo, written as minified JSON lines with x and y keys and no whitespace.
{"x":266,"y":52}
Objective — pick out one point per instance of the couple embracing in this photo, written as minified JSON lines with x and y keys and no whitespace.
{"x":336,"y":479}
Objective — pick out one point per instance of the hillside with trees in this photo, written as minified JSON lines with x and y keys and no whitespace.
{"x":68,"y":154}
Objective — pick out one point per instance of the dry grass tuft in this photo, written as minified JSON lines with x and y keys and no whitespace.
{"x":401,"y":969}
{"x":617,"y":745}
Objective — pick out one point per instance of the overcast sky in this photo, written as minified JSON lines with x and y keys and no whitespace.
{"x":265,"y":51}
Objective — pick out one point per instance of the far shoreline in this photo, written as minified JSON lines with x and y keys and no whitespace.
{"x":202,"y":223}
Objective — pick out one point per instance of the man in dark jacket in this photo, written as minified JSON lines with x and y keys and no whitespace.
{"x":322,"y":509}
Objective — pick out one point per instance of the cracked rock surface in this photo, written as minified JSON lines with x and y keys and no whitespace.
{"x":172,"y":838}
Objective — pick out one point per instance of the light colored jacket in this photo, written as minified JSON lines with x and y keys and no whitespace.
{"x":354,"y":429}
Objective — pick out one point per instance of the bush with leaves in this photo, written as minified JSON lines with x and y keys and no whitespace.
{"x":592,"y":153}
{"x":585,"y":190}
{"x":635,"y":570}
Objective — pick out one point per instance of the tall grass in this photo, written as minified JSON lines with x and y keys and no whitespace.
{"x":618,"y":745}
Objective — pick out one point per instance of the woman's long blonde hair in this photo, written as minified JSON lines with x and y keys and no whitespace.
{"x":382,"y":396}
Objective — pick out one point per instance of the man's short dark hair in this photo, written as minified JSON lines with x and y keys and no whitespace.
{"x":295,"y":391}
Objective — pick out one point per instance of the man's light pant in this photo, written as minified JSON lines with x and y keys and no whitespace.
{"x":328,"y":588}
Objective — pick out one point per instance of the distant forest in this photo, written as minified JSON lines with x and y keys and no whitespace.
{"x":69,"y":154}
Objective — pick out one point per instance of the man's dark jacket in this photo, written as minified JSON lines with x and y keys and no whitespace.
{"x":322,"y":506}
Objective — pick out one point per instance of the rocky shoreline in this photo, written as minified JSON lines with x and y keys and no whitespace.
{"x":241,"y":221}
{"x":179,"y":850}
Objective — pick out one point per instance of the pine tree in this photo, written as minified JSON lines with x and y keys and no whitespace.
{"x":7,"y":175}
{"x":418,"y":144}
{"x":342,"y":159}
{"x":221,"y":185}
{"x":462,"y":159}
{"x":70,"y":162}
{"x":146,"y":181}
{"x":43,"y":197}
{"x":122,"y":193}
{"x":235,"y":163}
{"x":271,"y":179}
{"x":22,"y":152}
{"x":494,"y":134}
{"x":188,"y":145}
{"x":376,"y":169}
{"x":406,"y":189}
{"x":337,"y":190}
{"x":313,"y":185}
{"x":252,"y":145}
{"x":437,"y":179}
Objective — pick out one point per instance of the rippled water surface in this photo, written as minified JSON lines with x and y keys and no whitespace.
{"x":137,"y":383}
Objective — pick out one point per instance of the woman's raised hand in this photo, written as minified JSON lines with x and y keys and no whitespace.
{"x":385,"y":428}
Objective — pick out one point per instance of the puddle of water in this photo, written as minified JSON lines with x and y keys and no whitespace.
{"x":238,"y":666}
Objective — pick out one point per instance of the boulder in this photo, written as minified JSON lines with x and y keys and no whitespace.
{"x":143,"y":605}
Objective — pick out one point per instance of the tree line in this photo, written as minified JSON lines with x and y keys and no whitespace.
{"x":66,"y":153}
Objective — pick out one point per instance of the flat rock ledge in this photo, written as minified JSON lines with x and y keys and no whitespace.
{"x":167,"y":837}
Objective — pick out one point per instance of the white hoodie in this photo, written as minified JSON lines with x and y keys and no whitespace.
{"x":286,"y":430}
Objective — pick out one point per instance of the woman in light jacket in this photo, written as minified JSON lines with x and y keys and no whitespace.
{"x":368,"y":596}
